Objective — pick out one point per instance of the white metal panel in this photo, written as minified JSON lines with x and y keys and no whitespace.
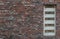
{"x":49,"y":21}
{"x":49,"y":34}
{"x":49,"y":15}
{"x":49,"y":9}
{"x":49,"y":28}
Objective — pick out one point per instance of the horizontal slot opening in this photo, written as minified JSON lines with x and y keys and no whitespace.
{"x":49,"y":24}
{"x":49,"y":18}
{"x":48,"y":31}
{"x":49,"y":12}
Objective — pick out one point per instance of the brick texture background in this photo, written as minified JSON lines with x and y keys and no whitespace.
{"x":23,"y":19}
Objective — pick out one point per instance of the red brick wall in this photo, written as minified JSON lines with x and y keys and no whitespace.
{"x":25,"y":22}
